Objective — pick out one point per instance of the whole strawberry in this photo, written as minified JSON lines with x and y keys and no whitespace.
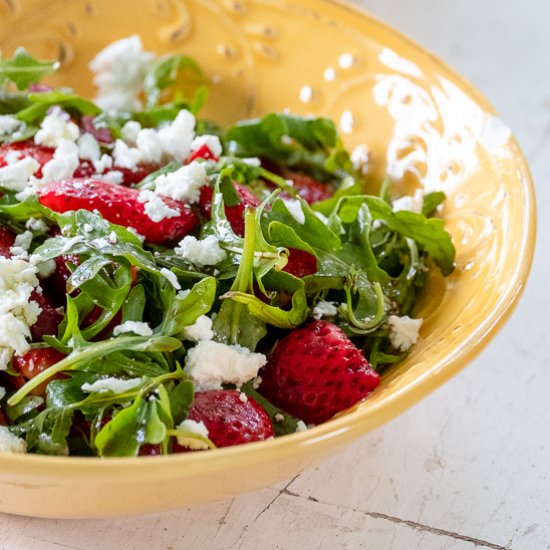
{"x":234,"y":213}
{"x":120,"y":205}
{"x":315,"y":372}
{"x":230,"y":418}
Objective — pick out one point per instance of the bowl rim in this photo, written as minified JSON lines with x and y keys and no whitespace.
{"x":355,"y":423}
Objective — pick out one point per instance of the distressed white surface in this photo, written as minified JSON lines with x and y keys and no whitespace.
{"x":469,"y":466}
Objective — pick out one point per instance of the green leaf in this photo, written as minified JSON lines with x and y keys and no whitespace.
{"x":68,"y":101}
{"x":181,"y":399}
{"x":432,"y":202}
{"x":24,"y":70}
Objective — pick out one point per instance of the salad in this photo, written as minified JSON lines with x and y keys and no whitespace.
{"x":169,"y":286}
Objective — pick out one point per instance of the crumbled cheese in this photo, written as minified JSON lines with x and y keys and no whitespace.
{"x":16,"y":176}
{"x":38,"y":226}
{"x":56,"y":127}
{"x":243,"y":398}
{"x":413,"y":203}
{"x":111,"y":384}
{"x":171,"y":278}
{"x":192,"y":427}
{"x":324,"y":309}
{"x":45,"y":267}
{"x":5,"y":357}
{"x":360,"y":158}
{"x":201,"y":329}
{"x":17,"y":313}
{"x":202,"y":252}
{"x":150,"y":145}
{"x":10,"y":443}
{"x":294,"y":207}
{"x":257,"y":382}
{"x":137,"y":327}
{"x":184,"y":184}
{"x":212,"y":142}
{"x":120,"y":71}
{"x":178,"y":136}
{"x":113,"y":237}
{"x":130,"y":131}
{"x":63,"y":164}
{"x":10,"y":125}
{"x":88,"y":147}
{"x":104,"y":163}
{"x":126,"y":157}
{"x":22,"y":244}
{"x":113,"y":176}
{"x":211,"y":364}
{"x":2,"y":392}
{"x":155,"y":207}
{"x":88,"y":228}
{"x":403,"y":331}
{"x":301,"y":426}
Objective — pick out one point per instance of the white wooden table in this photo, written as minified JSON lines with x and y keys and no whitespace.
{"x":470,"y":465}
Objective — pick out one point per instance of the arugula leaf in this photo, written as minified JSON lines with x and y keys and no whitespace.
{"x":24,"y":70}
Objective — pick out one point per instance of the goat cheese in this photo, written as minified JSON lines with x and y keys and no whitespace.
{"x":126,"y":157}
{"x":184,"y":184}
{"x":9,"y":125}
{"x":137,"y":327}
{"x":38,"y":226}
{"x":211,"y":364}
{"x":155,"y":207}
{"x":403,"y":331}
{"x":201,"y":329}
{"x":56,"y":126}
{"x":88,"y":147}
{"x":63,"y":164}
{"x":130,"y":131}
{"x":324,"y":309}
{"x":16,"y":176}
{"x":10,"y":443}
{"x":171,"y":278}
{"x":150,"y":145}
{"x":202,"y":252}
{"x":212,"y":142}
{"x":111,"y":384}
{"x":178,"y":136}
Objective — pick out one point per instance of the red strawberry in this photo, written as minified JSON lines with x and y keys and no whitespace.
{"x":300,"y":263}
{"x":203,"y":152}
{"x":49,"y":319}
{"x":56,"y":283}
{"x":119,"y":205}
{"x":41,"y":154}
{"x":103,"y":135}
{"x":315,"y":372}
{"x":229,"y":420}
{"x":7,"y":238}
{"x":234,"y":213}
{"x":33,"y":363}
{"x":311,"y":190}
{"x":3,"y":419}
{"x":86,"y":169}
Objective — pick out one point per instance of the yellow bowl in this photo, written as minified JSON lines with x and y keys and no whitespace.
{"x":419,"y":120}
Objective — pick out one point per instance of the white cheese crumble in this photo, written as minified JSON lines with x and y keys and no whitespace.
{"x":403,"y":331}
{"x":113,"y":176}
{"x":111,"y":384}
{"x":150,"y":145}
{"x":184,"y":184}
{"x":294,"y":207}
{"x":171,"y":278}
{"x":10,"y":125}
{"x":63,"y":164}
{"x":104,"y":163}
{"x":279,"y":417}
{"x":16,"y":176}
{"x":202,"y":252}
{"x":10,"y":443}
{"x":178,"y":136}
{"x":126,"y":157}
{"x":120,"y":71}
{"x":21,"y":244}
{"x":38,"y":226}
{"x":2,"y":392}
{"x":212,"y":142}
{"x":88,"y":147}
{"x":243,"y":398}
{"x":192,"y":427}
{"x":211,"y":364}
{"x":130,"y":131}
{"x":17,"y":313}
{"x":413,"y":203}
{"x":301,"y":426}
{"x":56,"y":126}
{"x":201,"y":329}
{"x":137,"y":327}
{"x":324,"y":309}
{"x":155,"y":207}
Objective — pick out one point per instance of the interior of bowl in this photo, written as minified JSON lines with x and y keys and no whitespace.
{"x":422,"y":125}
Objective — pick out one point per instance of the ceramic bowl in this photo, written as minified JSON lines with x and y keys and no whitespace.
{"x":421,"y":123}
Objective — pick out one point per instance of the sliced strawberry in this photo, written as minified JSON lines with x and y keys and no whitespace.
{"x":103,"y":135}
{"x":119,"y":205}
{"x":28,"y":148}
{"x":234,"y":213}
{"x":203,"y":152}
{"x":228,"y":419}
{"x":86,"y":169}
{"x":315,"y":372}
{"x":310,"y":189}
{"x":49,"y":319}
{"x":33,"y":363}
{"x":7,"y":239}
{"x":300,"y":263}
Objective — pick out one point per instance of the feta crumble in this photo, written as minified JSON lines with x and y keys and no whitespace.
{"x":155,"y":207}
{"x":202,"y":252}
{"x":294,"y":207}
{"x":212,"y":142}
{"x":211,"y":364}
{"x":403,"y":331}
{"x":63,"y":164}
{"x":194,"y":428}
{"x":184,"y":184}
{"x":10,"y":125}
{"x":88,"y":147}
{"x":56,"y":127}
{"x":10,"y":443}
{"x":137,"y":327}
{"x":16,"y":176}
{"x":324,"y":309}
{"x":125,"y":156}
{"x":201,"y":329}
{"x":301,"y":426}
{"x":38,"y":226}
{"x":111,"y":384}
{"x":171,"y":278}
